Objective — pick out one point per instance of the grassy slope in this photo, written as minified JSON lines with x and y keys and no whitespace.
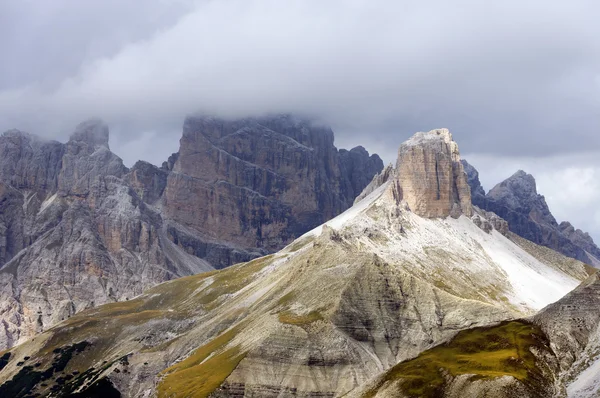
{"x":204,"y":370}
{"x":176,"y":301}
{"x":486,"y":353}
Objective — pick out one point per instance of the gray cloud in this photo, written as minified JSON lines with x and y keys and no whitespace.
{"x":510,"y":79}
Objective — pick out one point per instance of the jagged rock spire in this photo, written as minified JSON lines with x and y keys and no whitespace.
{"x":430,"y":177}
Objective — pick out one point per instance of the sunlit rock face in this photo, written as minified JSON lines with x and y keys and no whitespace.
{"x":261,"y":182}
{"x":430,"y":176}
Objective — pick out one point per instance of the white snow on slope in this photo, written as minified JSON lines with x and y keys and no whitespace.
{"x":435,"y":248}
{"x":587,"y":384}
{"x":535,"y":284}
{"x":350,"y":214}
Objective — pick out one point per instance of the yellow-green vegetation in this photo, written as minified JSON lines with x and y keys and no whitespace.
{"x":299,"y":244}
{"x":204,"y":370}
{"x":231,"y":280}
{"x":287,"y":298}
{"x":104,"y":322}
{"x":298,"y":320}
{"x":503,"y":350}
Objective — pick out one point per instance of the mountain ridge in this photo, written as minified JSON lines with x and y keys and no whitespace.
{"x":78,"y":228}
{"x":517,"y":201}
{"x":346,"y":301}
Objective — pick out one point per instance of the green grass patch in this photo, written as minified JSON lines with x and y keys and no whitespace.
{"x":293,"y":319}
{"x":502,"y":350}
{"x":204,"y":370}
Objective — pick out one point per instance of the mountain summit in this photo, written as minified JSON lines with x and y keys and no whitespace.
{"x":430,"y":177}
{"x":517,"y":200}
{"x":403,"y":270}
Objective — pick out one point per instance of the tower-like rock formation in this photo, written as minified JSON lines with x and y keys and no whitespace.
{"x":430,"y":177}
{"x":258,"y":183}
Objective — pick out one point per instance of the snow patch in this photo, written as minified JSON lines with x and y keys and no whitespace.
{"x":587,"y":384}
{"x":535,"y":284}
{"x":47,"y":203}
{"x":350,"y":214}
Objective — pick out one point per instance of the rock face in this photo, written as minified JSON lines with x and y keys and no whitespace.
{"x":258,"y":183}
{"x":517,"y":201}
{"x":73,"y":233}
{"x":342,"y":304}
{"x":430,"y":176}
{"x":79,"y":229}
{"x":573,"y":326}
{"x":489,"y":221}
{"x":557,"y":353}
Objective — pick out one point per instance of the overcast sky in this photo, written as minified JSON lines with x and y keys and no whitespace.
{"x":517,"y":82}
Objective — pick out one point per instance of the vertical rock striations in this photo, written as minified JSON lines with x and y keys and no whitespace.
{"x":430,"y":176}
{"x":73,"y":234}
{"x":261,"y":182}
{"x":78,"y":228}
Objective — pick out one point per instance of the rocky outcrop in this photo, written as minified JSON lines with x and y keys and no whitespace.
{"x":517,"y":201}
{"x":489,"y":221}
{"x":79,"y":229}
{"x":358,"y":168}
{"x":552,"y":354}
{"x":473,"y":180}
{"x":73,"y":233}
{"x":430,"y":176}
{"x":261,"y":182}
{"x":384,"y":176}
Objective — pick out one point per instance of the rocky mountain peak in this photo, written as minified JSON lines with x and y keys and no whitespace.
{"x":431,"y":178}
{"x":520,"y":185}
{"x":93,"y":132}
{"x":517,"y":201}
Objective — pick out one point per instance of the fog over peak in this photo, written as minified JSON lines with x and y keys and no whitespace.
{"x":517,"y":83}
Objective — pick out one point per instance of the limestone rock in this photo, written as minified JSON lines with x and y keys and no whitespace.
{"x":79,"y":229}
{"x":148,"y":181}
{"x":261,"y":182}
{"x":430,"y":177}
{"x":359,"y":168}
{"x":384,"y":176}
{"x":489,"y":221}
{"x":517,"y":201}
{"x":323,"y":317}
{"x":473,"y":180}
{"x":73,"y":234}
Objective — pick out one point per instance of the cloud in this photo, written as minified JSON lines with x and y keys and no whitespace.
{"x":511,"y":79}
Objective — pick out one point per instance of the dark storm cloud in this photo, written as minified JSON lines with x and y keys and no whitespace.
{"x":510,"y":79}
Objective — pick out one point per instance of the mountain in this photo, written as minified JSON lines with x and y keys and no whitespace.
{"x":403,"y":270}
{"x":517,"y":201}
{"x":74,"y":232}
{"x":555,"y":353}
{"x":79,"y":229}
{"x":260,"y":182}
